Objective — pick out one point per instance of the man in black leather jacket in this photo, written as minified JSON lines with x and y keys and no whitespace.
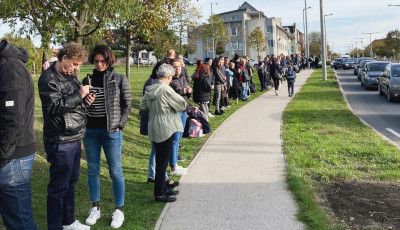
{"x":17,"y":139}
{"x":64,"y":126}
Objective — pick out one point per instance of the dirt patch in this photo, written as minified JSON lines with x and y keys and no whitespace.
{"x":362,"y":205}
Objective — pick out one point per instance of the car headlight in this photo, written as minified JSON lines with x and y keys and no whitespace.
{"x":347,"y":64}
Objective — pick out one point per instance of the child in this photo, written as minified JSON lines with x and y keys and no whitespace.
{"x":291,"y":76}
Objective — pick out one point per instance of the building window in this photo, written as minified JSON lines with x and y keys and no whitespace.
{"x":234,"y":45}
{"x":236,"y":18}
{"x":270,"y":43}
{"x":226,"y":47}
{"x":234,"y":31}
{"x":270,"y":29}
{"x":240,"y":46}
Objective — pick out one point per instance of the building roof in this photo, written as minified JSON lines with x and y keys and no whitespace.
{"x":246,"y":5}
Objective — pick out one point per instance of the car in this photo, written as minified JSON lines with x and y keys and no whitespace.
{"x":333,"y":62}
{"x":348,"y":63}
{"x":188,"y":62}
{"x":338,"y":64}
{"x":371,"y":73}
{"x":389,"y":82}
{"x":356,"y":67}
{"x":253,"y":63}
{"x":361,"y":67}
{"x":143,"y":61}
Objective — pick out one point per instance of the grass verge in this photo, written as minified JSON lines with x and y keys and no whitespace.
{"x":141,"y":212}
{"x":325,"y":142}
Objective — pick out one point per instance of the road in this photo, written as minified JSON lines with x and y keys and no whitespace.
{"x":375,"y":110}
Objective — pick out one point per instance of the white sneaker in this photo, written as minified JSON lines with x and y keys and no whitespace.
{"x":94,"y":215}
{"x":276,"y":92}
{"x":181,"y":168}
{"x":117,"y":219}
{"x":76,"y":226}
{"x":210,"y":115}
{"x":178,"y":172}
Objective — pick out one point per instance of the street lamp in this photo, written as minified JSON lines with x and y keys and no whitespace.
{"x":326,"y":46}
{"x":323,"y":45}
{"x":393,"y":5}
{"x":371,"y":53}
{"x":362,"y":46}
{"x":305,"y":32}
{"x":213,"y":45}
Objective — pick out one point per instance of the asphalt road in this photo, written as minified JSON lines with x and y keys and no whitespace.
{"x":375,"y":110}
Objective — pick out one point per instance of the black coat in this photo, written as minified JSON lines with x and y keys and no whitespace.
{"x":64,"y":112}
{"x":273,"y":68}
{"x":202,"y":88}
{"x":117,"y":96}
{"x":17,"y":101}
{"x":219,"y":76}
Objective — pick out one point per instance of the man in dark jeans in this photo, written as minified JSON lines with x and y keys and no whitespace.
{"x":64,"y":126}
{"x":17,"y":140}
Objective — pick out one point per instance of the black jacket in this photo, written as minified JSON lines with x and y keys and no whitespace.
{"x":202,"y":88}
{"x":179,"y":84}
{"x":17,"y":101}
{"x":117,"y":96}
{"x":273,"y":68}
{"x":64,"y":112}
{"x":219,"y":76}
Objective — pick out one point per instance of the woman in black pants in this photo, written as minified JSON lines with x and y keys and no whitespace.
{"x":163,"y":105}
{"x":275,"y":72}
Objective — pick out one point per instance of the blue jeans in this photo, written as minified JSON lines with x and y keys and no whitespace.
{"x":15,"y":194}
{"x":112,"y":146}
{"x":173,"y":159}
{"x":152,"y":163}
{"x":245,"y":88}
{"x":64,"y":170}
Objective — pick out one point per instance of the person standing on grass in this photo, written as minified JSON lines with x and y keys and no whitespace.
{"x":202,"y":86}
{"x":64,"y":126}
{"x":218,"y":83}
{"x":234,"y":91}
{"x":17,"y":139}
{"x":163,"y":105}
{"x":181,"y":87}
{"x":106,"y":117}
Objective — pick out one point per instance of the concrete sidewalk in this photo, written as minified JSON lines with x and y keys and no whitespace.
{"x":237,"y":179}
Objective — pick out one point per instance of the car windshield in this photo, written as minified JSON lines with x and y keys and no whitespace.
{"x":377,"y":66}
{"x":396,"y":71}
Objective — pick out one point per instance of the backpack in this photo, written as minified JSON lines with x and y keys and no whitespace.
{"x":195,"y":128}
{"x":290,"y":75}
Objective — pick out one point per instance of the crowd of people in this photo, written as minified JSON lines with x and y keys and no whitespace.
{"x":95,"y":112}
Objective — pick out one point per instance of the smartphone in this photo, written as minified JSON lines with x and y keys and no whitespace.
{"x":93,"y":91}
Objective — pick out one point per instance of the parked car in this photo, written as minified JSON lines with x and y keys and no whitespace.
{"x":188,"y":62}
{"x":333,"y":62}
{"x":371,"y":73}
{"x":338,"y":64}
{"x":361,"y":67}
{"x":253,"y":63}
{"x":357,"y":65}
{"x":389,"y":82}
{"x":348,"y":63}
{"x":143,"y":61}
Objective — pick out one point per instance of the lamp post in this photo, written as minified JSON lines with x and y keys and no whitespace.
{"x":326,"y":46}
{"x":306,"y":32}
{"x":362,"y":46}
{"x":213,"y":45}
{"x":393,"y":5}
{"x":371,"y":53}
{"x":323,"y":45}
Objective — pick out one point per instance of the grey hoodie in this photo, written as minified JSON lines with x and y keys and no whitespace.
{"x":163,"y":105}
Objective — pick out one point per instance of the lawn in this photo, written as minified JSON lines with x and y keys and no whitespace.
{"x":141,"y":212}
{"x":326,"y":144}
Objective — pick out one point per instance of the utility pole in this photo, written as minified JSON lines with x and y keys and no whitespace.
{"x":362,"y":45}
{"x":323,"y":46}
{"x":371,"y":53}
{"x":307,"y":45}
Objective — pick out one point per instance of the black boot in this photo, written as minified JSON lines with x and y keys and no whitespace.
{"x":218,"y":112}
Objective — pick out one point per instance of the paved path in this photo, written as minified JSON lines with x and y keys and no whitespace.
{"x":237,"y":180}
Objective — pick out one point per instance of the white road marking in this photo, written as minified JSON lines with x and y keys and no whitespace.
{"x":394,"y":132}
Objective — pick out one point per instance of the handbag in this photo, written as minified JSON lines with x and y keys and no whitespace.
{"x":277,"y":74}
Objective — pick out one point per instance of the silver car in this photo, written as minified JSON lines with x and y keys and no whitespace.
{"x":389,"y":82}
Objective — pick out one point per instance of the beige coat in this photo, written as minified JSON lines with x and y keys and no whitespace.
{"x":163,"y":105}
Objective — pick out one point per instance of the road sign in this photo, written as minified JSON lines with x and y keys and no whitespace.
{"x":371,"y":53}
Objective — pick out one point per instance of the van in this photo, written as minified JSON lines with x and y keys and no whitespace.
{"x":344,"y":56}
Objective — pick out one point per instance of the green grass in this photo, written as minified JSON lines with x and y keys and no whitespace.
{"x":325,"y":142}
{"x":141,"y":212}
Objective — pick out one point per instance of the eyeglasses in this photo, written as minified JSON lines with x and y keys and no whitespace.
{"x":99,"y":61}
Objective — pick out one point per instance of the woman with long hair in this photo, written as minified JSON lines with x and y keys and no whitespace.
{"x":202,"y":86}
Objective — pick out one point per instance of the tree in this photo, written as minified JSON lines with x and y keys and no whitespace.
{"x":216,"y":30}
{"x":381,"y":49}
{"x":314,"y":39}
{"x":392,"y":41}
{"x":186,"y":16}
{"x":257,"y":41}
{"x":163,"y":40}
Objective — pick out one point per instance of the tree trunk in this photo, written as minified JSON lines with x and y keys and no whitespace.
{"x":128,"y":54}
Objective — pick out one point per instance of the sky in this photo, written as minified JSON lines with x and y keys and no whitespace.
{"x":350,"y":18}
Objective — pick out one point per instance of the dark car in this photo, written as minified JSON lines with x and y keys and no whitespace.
{"x":338,"y":64}
{"x":188,"y":62}
{"x":356,"y":67}
{"x":361,"y":66}
{"x":333,"y":62}
{"x":371,"y":73}
{"x":348,"y":63}
{"x":389,"y":82}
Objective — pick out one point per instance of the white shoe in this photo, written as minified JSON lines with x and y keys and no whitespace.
{"x":76,"y":226}
{"x":178,"y":172}
{"x":181,"y":168}
{"x":276,"y":92}
{"x":117,"y":219}
{"x":94,"y":215}
{"x":210,"y":115}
